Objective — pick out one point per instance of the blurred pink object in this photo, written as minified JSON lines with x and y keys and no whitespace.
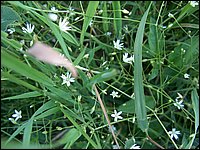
{"x":47,"y":54}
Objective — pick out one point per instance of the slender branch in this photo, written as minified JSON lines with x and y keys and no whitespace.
{"x":105,"y":114}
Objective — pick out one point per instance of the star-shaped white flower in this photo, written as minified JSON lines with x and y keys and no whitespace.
{"x":116,"y":115}
{"x":186,"y":76}
{"x":178,"y":102}
{"x":29,"y":28}
{"x":128,"y":60}
{"x":63,"y":25}
{"x":134,"y":146}
{"x":174,"y":133}
{"x":114,"y":94}
{"x":193,"y":3}
{"x":67,"y":79}
{"x":17,"y":115}
{"x":117,"y":44}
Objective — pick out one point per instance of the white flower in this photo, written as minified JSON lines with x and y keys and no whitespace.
{"x":179,"y":96}
{"x":170,"y":15}
{"x":53,"y":16}
{"x":128,"y":60}
{"x":174,"y":133}
{"x":125,"y":11}
{"x":178,"y":103}
{"x":134,"y":146}
{"x":54,"y":9}
{"x":11,"y":30}
{"x":28,"y":28}
{"x":63,"y":25}
{"x":186,"y":76}
{"x":193,"y":3}
{"x":17,"y":115}
{"x":108,"y":33}
{"x":67,"y":79}
{"x":116,"y":115}
{"x":114,"y":94}
{"x":117,"y":45}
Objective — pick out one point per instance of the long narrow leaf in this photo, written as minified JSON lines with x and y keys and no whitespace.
{"x":88,"y":17}
{"x":118,"y":18}
{"x":140,"y":109}
{"x":23,"y":69}
{"x":24,"y":95}
{"x":27,"y":133}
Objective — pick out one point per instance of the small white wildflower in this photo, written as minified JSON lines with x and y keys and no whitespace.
{"x":116,"y":115}
{"x":125,"y":11}
{"x":186,"y":76}
{"x":117,"y":44}
{"x":28,"y":28}
{"x":178,"y":103}
{"x":174,"y":133}
{"x":108,"y":33}
{"x":128,"y":60}
{"x":67,"y":79}
{"x":114,"y":94}
{"x":170,"y":15}
{"x":11,"y":30}
{"x":52,"y":16}
{"x":63,"y":25}
{"x":54,"y":9}
{"x":17,"y":115}
{"x":179,"y":96}
{"x":193,"y":3}
{"x":115,"y":147}
{"x":134,"y":146}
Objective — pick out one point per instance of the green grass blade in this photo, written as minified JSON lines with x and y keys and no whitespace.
{"x":117,"y":18}
{"x":140,"y":109}
{"x":24,"y":95}
{"x":88,"y":17}
{"x":23,"y":69}
{"x":105,"y":15}
{"x":47,"y":113}
{"x":13,"y":79}
{"x":27,"y":133}
{"x":69,"y":138}
{"x":195,"y":104}
{"x":79,"y":129}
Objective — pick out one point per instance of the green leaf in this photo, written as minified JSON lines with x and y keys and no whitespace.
{"x":105,"y":15}
{"x":27,"y":133}
{"x":117,"y":18}
{"x":195,"y":104}
{"x":8,"y":16}
{"x":129,"y":106}
{"x":24,"y":95}
{"x":51,"y":111}
{"x":140,"y":109}
{"x":23,"y":69}
{"x":80,"y":129}
{"x":69,"y":138}
{"x":13,"y":79}
{"x":88,"y":17}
